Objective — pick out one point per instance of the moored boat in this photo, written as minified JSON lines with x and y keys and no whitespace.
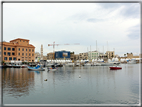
{"x":52,"y":69}
{"x":115,"y":67}
{"x":132,"y":61}
{"x":87,"y":64}
{"x":37,"y":68}
{"x":107,"y":64}
{"x":23,"y":66}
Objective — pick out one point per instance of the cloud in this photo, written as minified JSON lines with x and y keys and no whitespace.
{"x":130,"y":10}
{"x":134,"y":32}
{"x":71,"y":23}
{"x":94,"y":20}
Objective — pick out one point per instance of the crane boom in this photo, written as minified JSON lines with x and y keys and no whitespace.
{"x":61,"y":44}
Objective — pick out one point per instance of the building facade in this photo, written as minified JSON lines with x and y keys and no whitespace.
{"x":83,"y":56}
{"x":62,"y":55}
{"x":76,"y":57}
{"x":18,"y":50}
{"x":37,"y":57}
{"x":44,"y":57}
{"x":72,"y":56}
{"x":41,"y":52}
{"x":110,"y":54}
{"x":93,"y":55}
{"x":130,"y":55}
{"x":50,"y":56}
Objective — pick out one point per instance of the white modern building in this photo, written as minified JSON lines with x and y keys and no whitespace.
{"x":93,"y":55}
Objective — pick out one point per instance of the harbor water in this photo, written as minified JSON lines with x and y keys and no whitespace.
{"x":72,"y":85}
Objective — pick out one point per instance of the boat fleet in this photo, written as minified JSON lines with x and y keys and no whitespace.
{"x":52,"y":65}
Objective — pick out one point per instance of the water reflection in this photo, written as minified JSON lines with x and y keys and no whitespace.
{"x":16,"y":82}
{"x":96,"y":85}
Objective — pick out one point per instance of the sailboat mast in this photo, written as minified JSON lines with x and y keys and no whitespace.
{"x":96,"y":45}
{"x":91,"y":52}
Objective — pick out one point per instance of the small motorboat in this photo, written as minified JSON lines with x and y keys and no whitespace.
{"x":52,"y":69}
{"x":23,"y":66}
{"x":37,"y":68}
{"x":115,"y":67}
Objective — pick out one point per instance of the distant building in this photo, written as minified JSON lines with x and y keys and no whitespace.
{"x":18,"y":50}
{"x":37,"y":56}
{"x":72,"y":56}
{"x":130,"y":55}
{"x":93,"y":55}
{"x":76,"y":57}
{"x":41,"y":52}
{"x":50,"y":56}
{"x":44,"y":57}
{"x":62,"y":54}
{"x":110,"y":54}
{"x":83,"y":56}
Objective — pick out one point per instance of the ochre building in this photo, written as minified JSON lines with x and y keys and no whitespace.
{"x":18,"y":50}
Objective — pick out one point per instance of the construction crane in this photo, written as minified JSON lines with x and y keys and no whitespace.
{"x":60,"y":44}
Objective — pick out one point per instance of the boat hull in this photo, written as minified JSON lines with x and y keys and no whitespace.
{"x":51,"y":69}
{"x":115,"y":68}
{"x":35,"y":69}
{"x":107,"y":64}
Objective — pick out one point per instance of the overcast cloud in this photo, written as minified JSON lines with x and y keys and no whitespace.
{"x":84,"y":23}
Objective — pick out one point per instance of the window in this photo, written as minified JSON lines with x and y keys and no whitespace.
{"x":26,"y":49}
{"x":14,"y":58}
{"x":5,"y":58}
{"x":33,"y":50}
{"x":23,"y":54}
{"x":8,"y":53}
{"x":20,"y":40}
{"x":23,"y":49}
{"x":0,"y":47}
{"x":4,"y":53}
{"x":13,"y":53}
{"x":26,"y":54}
{"x":29,"y":49}
{"x":19,"y":54}
{"x":23,"y":41}
{"x":9,"y":49}
{"x":19,"y":49}
{"x":4,"y":48}
{"x":10,"y":58}
{"x":29,"y":54}
{"x":13,"y":49}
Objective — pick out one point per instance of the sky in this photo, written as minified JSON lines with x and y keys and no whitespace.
{"x":94,"y":26}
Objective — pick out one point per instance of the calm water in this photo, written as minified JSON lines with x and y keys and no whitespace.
{"x":97,"y":85}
